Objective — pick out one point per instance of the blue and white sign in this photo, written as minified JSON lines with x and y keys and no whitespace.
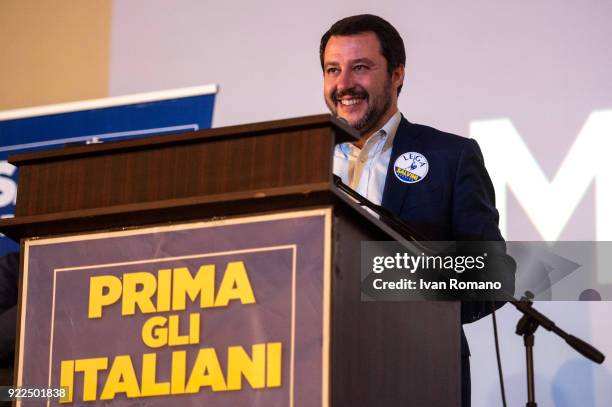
{"x":99,"y":120}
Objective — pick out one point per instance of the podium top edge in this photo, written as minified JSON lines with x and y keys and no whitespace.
{"x":346,"y":133}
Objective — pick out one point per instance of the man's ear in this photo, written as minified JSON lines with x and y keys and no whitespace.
{"x":397,"y":76}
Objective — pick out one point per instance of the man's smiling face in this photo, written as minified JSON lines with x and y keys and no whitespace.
{"x":357,"y":85}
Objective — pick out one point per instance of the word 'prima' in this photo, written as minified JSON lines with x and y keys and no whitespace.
{"x":171,"y":288}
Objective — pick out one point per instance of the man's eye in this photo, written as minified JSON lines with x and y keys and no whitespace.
{"x":360,"y":67}
{"x":332,"y":70}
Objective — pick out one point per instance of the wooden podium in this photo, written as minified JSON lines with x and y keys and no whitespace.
{"x":375,"y":353}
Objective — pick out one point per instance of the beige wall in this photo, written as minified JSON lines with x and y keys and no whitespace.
{"x":53,"y":51}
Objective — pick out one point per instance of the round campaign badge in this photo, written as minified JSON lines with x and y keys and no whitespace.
{"x":411,"y":167}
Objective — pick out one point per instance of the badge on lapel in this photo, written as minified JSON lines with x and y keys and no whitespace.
{"x":411,"y":167}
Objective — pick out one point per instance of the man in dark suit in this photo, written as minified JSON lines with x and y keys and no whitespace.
{"x":434,"y":181}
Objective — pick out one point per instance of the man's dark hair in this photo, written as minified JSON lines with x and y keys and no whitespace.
{"x":391,"y":43}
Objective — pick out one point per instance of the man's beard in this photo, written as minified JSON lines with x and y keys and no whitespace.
{"x":373,"y":114}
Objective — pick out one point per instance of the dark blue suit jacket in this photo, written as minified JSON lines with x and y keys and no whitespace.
{"x":454,"y":201}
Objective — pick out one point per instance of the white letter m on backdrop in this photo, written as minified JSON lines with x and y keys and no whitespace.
{"x":551,"y":203}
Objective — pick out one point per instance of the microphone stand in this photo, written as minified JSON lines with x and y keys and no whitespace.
{"x":526,"y":326}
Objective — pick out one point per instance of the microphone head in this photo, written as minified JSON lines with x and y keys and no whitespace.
{"x":342,"y":119}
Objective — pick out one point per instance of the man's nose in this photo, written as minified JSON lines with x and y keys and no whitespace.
{"x":345,"y":80}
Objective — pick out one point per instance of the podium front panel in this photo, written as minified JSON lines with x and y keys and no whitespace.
{"x":228,"y":312}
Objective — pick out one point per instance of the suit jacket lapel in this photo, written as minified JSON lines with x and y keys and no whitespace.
{"x":406,"y":140}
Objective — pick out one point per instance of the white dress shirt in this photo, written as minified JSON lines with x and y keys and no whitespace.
{"x":365,"y":169}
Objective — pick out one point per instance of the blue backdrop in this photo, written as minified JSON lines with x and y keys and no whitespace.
{"x":152,"y":117}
